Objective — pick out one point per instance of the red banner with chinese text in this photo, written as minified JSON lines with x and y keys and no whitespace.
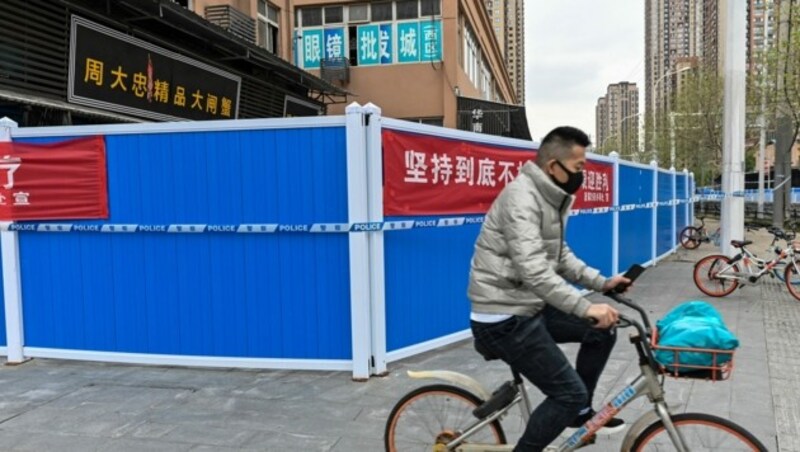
{"x":425,"y":175}
{"x":59,"y":181}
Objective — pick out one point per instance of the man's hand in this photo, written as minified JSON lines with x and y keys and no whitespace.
{"x":605,"y":315}
{"x":614,"y":282}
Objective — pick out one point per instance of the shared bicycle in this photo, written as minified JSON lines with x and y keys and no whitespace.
{"x":718,"y":275}
{"x":691,"y":237}
{"x":463,"y":416}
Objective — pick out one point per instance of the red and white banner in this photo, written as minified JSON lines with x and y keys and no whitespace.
{"x":426,"y":175}
{"x":59,"y":181}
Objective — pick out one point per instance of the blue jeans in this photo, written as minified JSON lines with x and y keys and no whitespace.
{"x":528,"y":345}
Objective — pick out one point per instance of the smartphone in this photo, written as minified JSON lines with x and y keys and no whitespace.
{"x":631,"y":274}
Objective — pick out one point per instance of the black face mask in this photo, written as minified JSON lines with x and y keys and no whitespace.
{"x":574,"y":180}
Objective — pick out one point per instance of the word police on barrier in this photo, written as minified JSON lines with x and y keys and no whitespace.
{"x":313,"y":228}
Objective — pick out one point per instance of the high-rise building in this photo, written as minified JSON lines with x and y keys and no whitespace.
{"x":762,"y":30}
{"x":617,"y":119}
{"x":601,"y":122}
{"x":673,"y":33}
{"x":508,"y":22}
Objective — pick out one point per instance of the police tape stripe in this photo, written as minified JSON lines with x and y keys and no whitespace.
{"x":271,"y":228}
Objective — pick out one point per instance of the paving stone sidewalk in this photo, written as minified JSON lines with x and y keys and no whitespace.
{"x":52,"y":405}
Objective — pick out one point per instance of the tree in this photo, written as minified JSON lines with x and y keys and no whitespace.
{"x":697,"y":119}
{"x":782,"y":95}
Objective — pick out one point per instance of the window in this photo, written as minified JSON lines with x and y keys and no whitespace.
{"x":407,"y":9}
{"x":431,"y":7}
{"x":352,"y":35}
{"x":334,"y":15}
{"x":312,"y":17}
{"x":358,"y":13}
{"x":268,"y":28}
{"x":381,"y":11}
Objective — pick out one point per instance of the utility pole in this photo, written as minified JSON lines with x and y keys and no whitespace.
{"x":732,"y":221}
{"x":783,"y":148}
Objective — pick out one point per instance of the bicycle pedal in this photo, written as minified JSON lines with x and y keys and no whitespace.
{"x":501,"y":397}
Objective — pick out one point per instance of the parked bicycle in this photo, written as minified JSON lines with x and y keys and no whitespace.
{"x":691,"y":237}
{"x":718,"y":275}
{"x":463,"y":416}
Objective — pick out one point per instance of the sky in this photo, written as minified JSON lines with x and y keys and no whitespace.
{"x":573,"y":50}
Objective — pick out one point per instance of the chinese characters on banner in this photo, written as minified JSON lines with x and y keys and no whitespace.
{"x":369,"y":45}
{"x":376,"y":44}
{"x":334,"y":43}
{"x":312,"y":48}
{"x":408,"y":42}
{"x":124,"y":74}
{"x":435,"y":176}
{"x":431,"y":36}
{"x":59,"y":181}
{"x":386,"y":44}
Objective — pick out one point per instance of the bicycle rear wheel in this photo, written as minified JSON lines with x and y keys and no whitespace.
{"x":436,"y":414}
{"x":702,"y":432}
{"x":792,"y":280}
{"x":705,"y":275}
{"x":689,"y":237}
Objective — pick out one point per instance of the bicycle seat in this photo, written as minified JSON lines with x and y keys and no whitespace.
{"x":740,"y":243}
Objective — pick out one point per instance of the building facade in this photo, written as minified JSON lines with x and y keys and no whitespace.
{"x":141,"y":60}
{"x":508,"y":22}
{"x":617,"y":119}
{"x":431,"y":61}
{"x":673,"y":33}
{"x":762,"y":31}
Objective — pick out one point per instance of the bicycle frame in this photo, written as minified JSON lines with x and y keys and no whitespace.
{"x":746,"y":256}
{"x":646,"y":384}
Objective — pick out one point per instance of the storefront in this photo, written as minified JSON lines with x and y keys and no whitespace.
{"x":82,"y":61}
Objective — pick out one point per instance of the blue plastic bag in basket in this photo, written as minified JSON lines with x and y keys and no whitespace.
{"x":694,"y":324}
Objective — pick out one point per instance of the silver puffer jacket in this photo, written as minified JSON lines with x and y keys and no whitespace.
{"x":521,"y":261}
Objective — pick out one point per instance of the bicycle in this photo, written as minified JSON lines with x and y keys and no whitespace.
{"x":779,"y":234}
{"x":691,"y":237}
{"x":718,"y":275}
{"x":422,"y":420}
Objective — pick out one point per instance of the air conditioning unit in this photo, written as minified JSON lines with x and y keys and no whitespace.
{"x":335,"y":69}
{"x":233,"y":20}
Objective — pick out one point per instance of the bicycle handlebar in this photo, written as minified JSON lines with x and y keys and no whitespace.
{"x":631,"y":304}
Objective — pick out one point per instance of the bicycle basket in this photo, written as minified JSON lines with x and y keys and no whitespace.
{"x":720,"y":369}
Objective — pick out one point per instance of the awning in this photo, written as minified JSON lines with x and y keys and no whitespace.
{"x":39,"y":101}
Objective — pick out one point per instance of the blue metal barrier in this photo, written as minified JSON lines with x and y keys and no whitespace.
{"x":239,"y":243}
{"x":666,"y":239}
{"x":240,"y":295}
{"x":635,"y":236}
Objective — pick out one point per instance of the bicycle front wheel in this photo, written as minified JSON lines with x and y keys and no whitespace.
{"x":436,"y":415}
{"x":702,"y":432}
{"x":706,"y":279}
{"x":689,"y":237}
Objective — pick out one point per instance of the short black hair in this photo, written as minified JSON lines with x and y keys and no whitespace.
{"x":569,"y":134}
{"x":559,"y":142}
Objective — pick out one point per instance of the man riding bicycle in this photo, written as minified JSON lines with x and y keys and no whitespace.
{"x":522,"y":300}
